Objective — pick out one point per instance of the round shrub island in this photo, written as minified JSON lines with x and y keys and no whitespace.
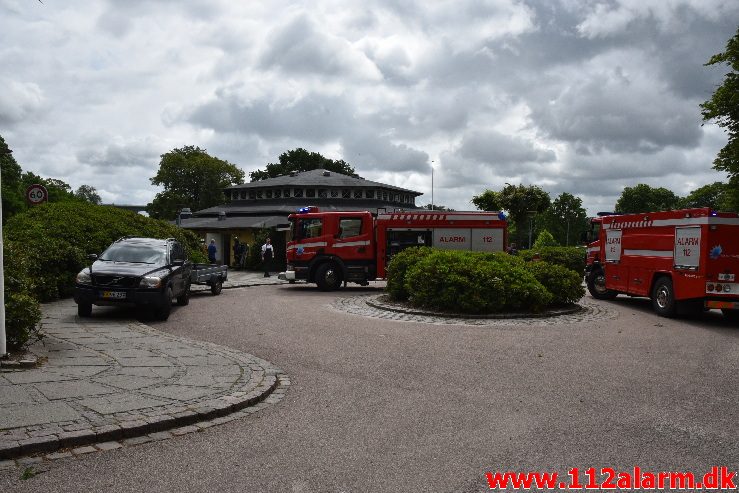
{"x":480,"y":283}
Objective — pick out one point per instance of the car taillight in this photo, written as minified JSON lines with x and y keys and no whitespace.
{"x":718,"y":288}
{"x":709,"y":287}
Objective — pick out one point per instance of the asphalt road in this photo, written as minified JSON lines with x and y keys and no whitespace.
{"x":380,"y":405}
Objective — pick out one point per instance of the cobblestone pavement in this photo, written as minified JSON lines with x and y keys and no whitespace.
{"x":110,"y":382}
{"x":373,"y":306}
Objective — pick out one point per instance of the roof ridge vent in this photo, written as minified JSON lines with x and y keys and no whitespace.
{"x":326,"y":173}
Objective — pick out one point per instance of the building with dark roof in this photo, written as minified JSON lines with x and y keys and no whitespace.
{"x":265,"y":204}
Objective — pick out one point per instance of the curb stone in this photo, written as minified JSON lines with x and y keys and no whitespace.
{"x":282,"y":383}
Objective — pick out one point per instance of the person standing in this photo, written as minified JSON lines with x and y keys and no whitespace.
{"x":212,"y":252}
{"x":267,"y":254}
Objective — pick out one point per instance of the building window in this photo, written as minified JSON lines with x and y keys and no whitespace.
{"x":370,"y":194}
{"x":269,"y":194}
{"x":358,"y":194}
{"x":397,"y":197}
{"x":259,"y":194}
{"x":243,"y":195}
{"x":334,"y":193}
{"x":384,"y":196}
{"x":278,"y":194}
{"x":298,"y":192}
{"x":286,"y":193}
{"x":252,"y":194}
{"x":310,"y":192}
{"x":346,"y":194}
{"x":322,"y":193}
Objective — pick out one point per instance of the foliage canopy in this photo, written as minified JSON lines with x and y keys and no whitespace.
{"x":301,"y":160}
{"x":191,"y":178}
{"x":723,"y":108}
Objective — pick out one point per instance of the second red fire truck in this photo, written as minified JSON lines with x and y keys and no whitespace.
{"x":331,"y":248}
{"x":686,"y":257}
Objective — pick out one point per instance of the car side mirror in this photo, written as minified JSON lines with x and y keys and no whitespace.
{"x":92,"y":257}
{"x":178,"y":262}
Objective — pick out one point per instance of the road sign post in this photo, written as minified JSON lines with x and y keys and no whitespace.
{"x":36,"y":194}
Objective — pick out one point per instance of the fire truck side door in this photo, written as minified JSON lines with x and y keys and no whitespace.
{"x":353,"y":239}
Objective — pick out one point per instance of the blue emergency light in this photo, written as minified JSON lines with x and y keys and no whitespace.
{"x":305,"y":210}
{"x":501,"y":216}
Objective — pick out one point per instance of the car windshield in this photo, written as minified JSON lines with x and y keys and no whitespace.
{"x":134,"y":253}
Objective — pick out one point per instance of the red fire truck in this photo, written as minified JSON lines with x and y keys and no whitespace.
{"x":687,"y":258}
{"x":329,"y":248}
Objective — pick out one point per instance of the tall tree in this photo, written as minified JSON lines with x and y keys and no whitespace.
{"x":565,"y":219}
{"x":714,"y":195}
{"x":301,"y":160}
{"x":723,"y":108}
{"x":191,"y":178}
{"x":10,"y":177}
{"x":88,"y":194}
{"x":522,"y":203}
{"x":643,"y":198}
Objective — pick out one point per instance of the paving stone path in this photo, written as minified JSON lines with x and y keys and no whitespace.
{"x":104,"y":380}
{"x":375,"y":306}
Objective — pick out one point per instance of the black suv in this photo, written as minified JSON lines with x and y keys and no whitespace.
{"x":141,"y":272}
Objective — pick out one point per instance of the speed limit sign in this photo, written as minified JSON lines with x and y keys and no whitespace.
{"x":37,"y":194}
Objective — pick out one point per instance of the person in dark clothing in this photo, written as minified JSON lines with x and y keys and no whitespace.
{"x":212,"y":252}
{"x":243,"y":254}
{"x":268,"y":254}
{"x":236,"y":249}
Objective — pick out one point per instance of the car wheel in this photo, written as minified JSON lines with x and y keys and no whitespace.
{"x":163,"y":311}
{"x":596,"y":281}
{"x":216,"y":286}
{"x":663,"y":298}
{"x":84,"y":309}
{"x":184,"y":298}
{"x":328,"y":277}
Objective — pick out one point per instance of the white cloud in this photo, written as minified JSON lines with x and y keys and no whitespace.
{"x":574,"y":95}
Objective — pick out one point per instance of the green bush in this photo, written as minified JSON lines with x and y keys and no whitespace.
{"x":545,"y":239}
{"x":473,"y":283}
{"x":564,"y":284}
{"x":22,"y":312}
{"x":54,"y":240}
{"x":22,"y":317}
{"x":398,"y":268}
{"x":571,"y":257}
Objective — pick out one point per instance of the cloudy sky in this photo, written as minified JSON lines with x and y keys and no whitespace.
{"x":580,"y":96}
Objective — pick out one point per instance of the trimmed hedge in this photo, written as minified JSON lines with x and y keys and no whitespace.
{"x":54,"y":240}
{"x":22,"y":311}
{"x":564,"y":284}
{"x":572,"y":258}
{"x":475,"y":282}
{"x":398,"y":268}
{"x":457,"y":281}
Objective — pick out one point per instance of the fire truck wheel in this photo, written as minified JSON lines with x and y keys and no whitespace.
{"x":731,"y":315}
{"x":328,"y":277}
{"x":596,"y":282}
{"x":663,"y":297}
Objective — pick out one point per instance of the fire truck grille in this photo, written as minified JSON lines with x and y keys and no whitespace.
{"x":115,"y":281}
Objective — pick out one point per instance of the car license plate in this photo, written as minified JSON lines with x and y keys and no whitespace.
{"x":113,"y":295}
{"x":726,"y":277}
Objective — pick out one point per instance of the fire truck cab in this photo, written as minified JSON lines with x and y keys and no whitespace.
{"x":331,"y":248}
{"x":683,"y":258}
